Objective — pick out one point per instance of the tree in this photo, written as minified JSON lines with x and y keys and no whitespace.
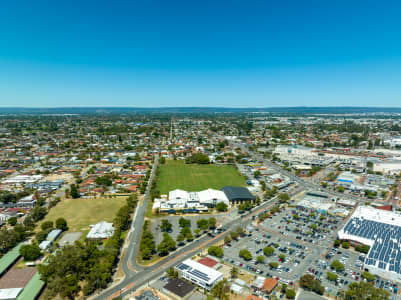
{"x":212,"y":223}
{"x":245,"y":254}
{"x":215,"y":251}
{"x":260,"y":259}
{"x":166,"y":225}
{"x":306,"y":280}
{"x":234,"y":272}
{"x":239,"y":230}
{"x":331,"y":276}
{"x":61,"y":223}
{"x":146,"y":253}
{"x":104,"y":180}
{"x":290,"y":294}
{"x":221,"y":206}
{"x":184,"y":222}
{"x":186,"y":231}
{"x":227,"y":239}
{"x":345,"y":245}
{"x":202,"y":224}
{"x":198,"y":158}
{"x":41,"y":236}
{"x":268,"y":251}
{"x":197,"y":232}
{"x":166,"y":245}
{"x":284,"y":197}
{"x":337,"y":243}
{"x":234,"y":235}
{"x":74,"y":191}
{"x":12,"y":221}
{"x":47,"y":225}
{"x":337,"y":265}
{"x":368,"y":276}
{"x":172,"y":273}
{"x":364,"y":290}
{"x":273,"y":265}
{"x":180,"y":239}
{"x":30,"y":252}
{"x":363,"y":248}
{"x":221,"y":289}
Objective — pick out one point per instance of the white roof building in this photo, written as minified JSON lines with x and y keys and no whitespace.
{"x":45,"y":244}
{"x":23,"y":179}
{"x":199,"y":274}
{"x":178,"y":195}
{"x":180,"y":199}
{"x":102,"y":230}
{"x":9,"y":294}
{"x":212,"y":197}
{"x":381,"y":230}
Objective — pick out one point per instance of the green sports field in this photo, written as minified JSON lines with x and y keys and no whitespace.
{"x":82,"y":212}
{"x":175,"y":174}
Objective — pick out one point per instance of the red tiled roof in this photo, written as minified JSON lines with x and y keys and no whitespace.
{"x":208,"y":262}
{"x":269,"y":284}
{"x":385,"y":207}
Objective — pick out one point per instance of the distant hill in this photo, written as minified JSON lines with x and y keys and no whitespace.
{"x":197,"y":110}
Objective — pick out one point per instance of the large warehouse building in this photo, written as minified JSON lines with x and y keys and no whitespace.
{"x":381,"y":230}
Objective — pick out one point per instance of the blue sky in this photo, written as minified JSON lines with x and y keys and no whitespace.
{"x":200,"y":53}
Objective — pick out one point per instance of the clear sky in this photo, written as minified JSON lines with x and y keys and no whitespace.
{"x":200,"y":53}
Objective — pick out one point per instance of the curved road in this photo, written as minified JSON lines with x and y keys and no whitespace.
{"x":137,"y":276}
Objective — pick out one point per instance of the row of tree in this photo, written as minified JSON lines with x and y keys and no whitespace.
{"x":85,"y":267}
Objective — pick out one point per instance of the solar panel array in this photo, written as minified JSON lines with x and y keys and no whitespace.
{"x":182,"y":266}
{"x":194,"y":272}
{"x":386,"y":250}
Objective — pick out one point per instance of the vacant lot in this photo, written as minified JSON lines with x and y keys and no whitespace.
{"x":192,"y":177}
{"x":80,"y":213}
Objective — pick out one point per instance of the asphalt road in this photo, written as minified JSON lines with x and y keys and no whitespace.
{"x":134,"y":279}
{"x":137,"y":275}
{"x":303,"y":183}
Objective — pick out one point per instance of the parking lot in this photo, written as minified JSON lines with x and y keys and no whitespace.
{"x":306,"y":250}
{"x":221,"y":219}
{"x":290,"y":268}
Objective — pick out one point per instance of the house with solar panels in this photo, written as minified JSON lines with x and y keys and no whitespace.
{"x":199,"y":274}
{"x":381,"y":230}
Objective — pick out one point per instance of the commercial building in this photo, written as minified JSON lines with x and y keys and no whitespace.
{"x":199,"y":274}
{"x":238,"y":195}
{"x":381,"y":230}
{"x":23,"y":179}
{"x":346,"y":179}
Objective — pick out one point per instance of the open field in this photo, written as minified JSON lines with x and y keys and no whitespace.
{"x":80,"y":213}
{"x":193,"y":177}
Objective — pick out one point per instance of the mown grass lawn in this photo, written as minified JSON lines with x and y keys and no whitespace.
{"x":80,"y":213}
{"x":175,"y":174}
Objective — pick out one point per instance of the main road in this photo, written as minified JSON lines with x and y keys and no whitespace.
{"x":300,"y":181}
{"x":137,"y":276}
